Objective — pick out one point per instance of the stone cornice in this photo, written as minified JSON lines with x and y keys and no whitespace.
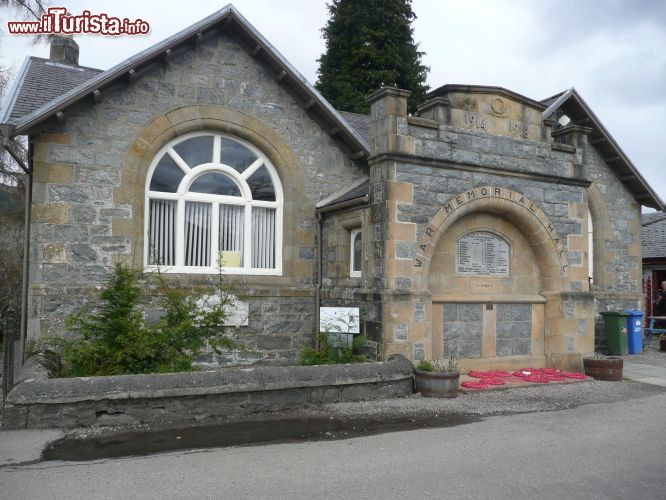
{"x":467,"y":167}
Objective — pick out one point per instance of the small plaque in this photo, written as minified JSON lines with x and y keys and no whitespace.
{"x":339,"y":320}
{"x":482,"y":253}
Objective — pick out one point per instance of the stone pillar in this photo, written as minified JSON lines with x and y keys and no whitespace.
{"x":437,"y":109}
{"x":573,"y":135}
{"x":405,"y":309}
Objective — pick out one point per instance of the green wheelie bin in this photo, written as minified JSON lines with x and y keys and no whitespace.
{"x":615,"y":326}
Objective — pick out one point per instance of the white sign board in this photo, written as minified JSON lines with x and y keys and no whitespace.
{"x":339,"y":320}
{"x":482,"y":253}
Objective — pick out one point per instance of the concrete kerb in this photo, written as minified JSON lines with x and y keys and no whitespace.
{"x":39,"y":402}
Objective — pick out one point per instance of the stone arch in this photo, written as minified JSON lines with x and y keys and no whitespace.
{"x":190,"y":119}
{"x":526,"y":215}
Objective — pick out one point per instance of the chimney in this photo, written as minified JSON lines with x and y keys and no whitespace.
{"x":64,"y":50}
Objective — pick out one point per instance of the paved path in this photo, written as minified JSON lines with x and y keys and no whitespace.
{"x":648,"y":366}
{"x":649,"y":374}
{"x":593,"y":451}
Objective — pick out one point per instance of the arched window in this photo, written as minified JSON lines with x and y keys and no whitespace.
{"x":212,"y":199}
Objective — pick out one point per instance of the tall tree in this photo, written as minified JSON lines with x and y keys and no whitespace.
{"x":370,"y":44}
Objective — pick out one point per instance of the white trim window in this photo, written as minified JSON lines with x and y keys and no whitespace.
{"x":356,"y":253}
{"x":213,"y":199}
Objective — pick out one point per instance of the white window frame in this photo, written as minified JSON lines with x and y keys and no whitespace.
{"x":352,"y":273}
{"x":182,"y":195}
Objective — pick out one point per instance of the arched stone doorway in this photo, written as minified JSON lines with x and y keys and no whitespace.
{"x":498,"y":274}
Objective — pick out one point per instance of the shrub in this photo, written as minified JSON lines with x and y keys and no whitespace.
{"x":116,"y":339}
{"x":438,"y":365}
{"x":331,"y":353}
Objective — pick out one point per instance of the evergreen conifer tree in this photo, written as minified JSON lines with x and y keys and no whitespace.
{"x":369,"y":44}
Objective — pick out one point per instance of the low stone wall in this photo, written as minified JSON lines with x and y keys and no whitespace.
{"x":193,"y":396}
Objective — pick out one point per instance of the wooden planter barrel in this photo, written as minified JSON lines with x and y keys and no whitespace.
{"x":437,"y":384}
{"x":604,"y":368}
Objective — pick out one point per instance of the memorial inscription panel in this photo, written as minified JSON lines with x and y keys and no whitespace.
{"x":482,"y":253}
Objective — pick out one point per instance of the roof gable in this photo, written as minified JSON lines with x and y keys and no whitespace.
{"x":227,"y":20}
{"x":574,"y":106}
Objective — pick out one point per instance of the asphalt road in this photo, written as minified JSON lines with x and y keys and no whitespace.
{"x":610,"y":450}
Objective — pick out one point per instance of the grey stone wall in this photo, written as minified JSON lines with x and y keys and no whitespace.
{"x":72,"y":250}
{"x":170,"y":398}
{"x":622,"y":267}
{"x":514,"y":329}
{"x":463,"y":330}
{"x":617,"y":239}
{"x":494,"y":151}
{"x":434,"y":187}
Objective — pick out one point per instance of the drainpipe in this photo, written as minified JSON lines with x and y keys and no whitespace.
{"x":26,"y":255}
{"x":320,"y":222}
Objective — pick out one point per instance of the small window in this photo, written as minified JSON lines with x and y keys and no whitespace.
{"x":356,"y":254}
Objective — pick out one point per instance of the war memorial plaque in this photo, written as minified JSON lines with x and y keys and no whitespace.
{"x":482,"y":253}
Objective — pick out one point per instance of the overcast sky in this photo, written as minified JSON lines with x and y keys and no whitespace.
{"x":612,"y":51}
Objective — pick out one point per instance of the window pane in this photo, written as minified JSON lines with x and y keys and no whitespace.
{"x":232,"y":229}
{"x":196,"y":151}
{"x":356,"y":258}
{"x":236,"y":155}
{"x":197,"y":234}
{"x":215,"y":183}
{"x":263,"y":238}
{"x":162,"y":232}
{"x":261,"y":185}
{"x":167,"y":176}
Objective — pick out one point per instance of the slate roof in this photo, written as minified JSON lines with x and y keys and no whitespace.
{"x":39,"y":82}
{"x":360,"y":123}
{"x":653,"y":233}
{"x":355,"y":191}
{"x":651,"y":218}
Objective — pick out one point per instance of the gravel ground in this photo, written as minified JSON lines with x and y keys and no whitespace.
{"x":546,"y":397}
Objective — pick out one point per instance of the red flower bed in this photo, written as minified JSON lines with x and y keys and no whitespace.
{"x":489,"y":374}
{"x":494,"y":381}
{"x":537,"y":378}
{"x":535,"y":375}
{"x":470,"y":384}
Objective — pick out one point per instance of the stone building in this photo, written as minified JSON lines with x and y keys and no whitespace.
{"x":654,"y":263}
{"x":491,"y":226}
